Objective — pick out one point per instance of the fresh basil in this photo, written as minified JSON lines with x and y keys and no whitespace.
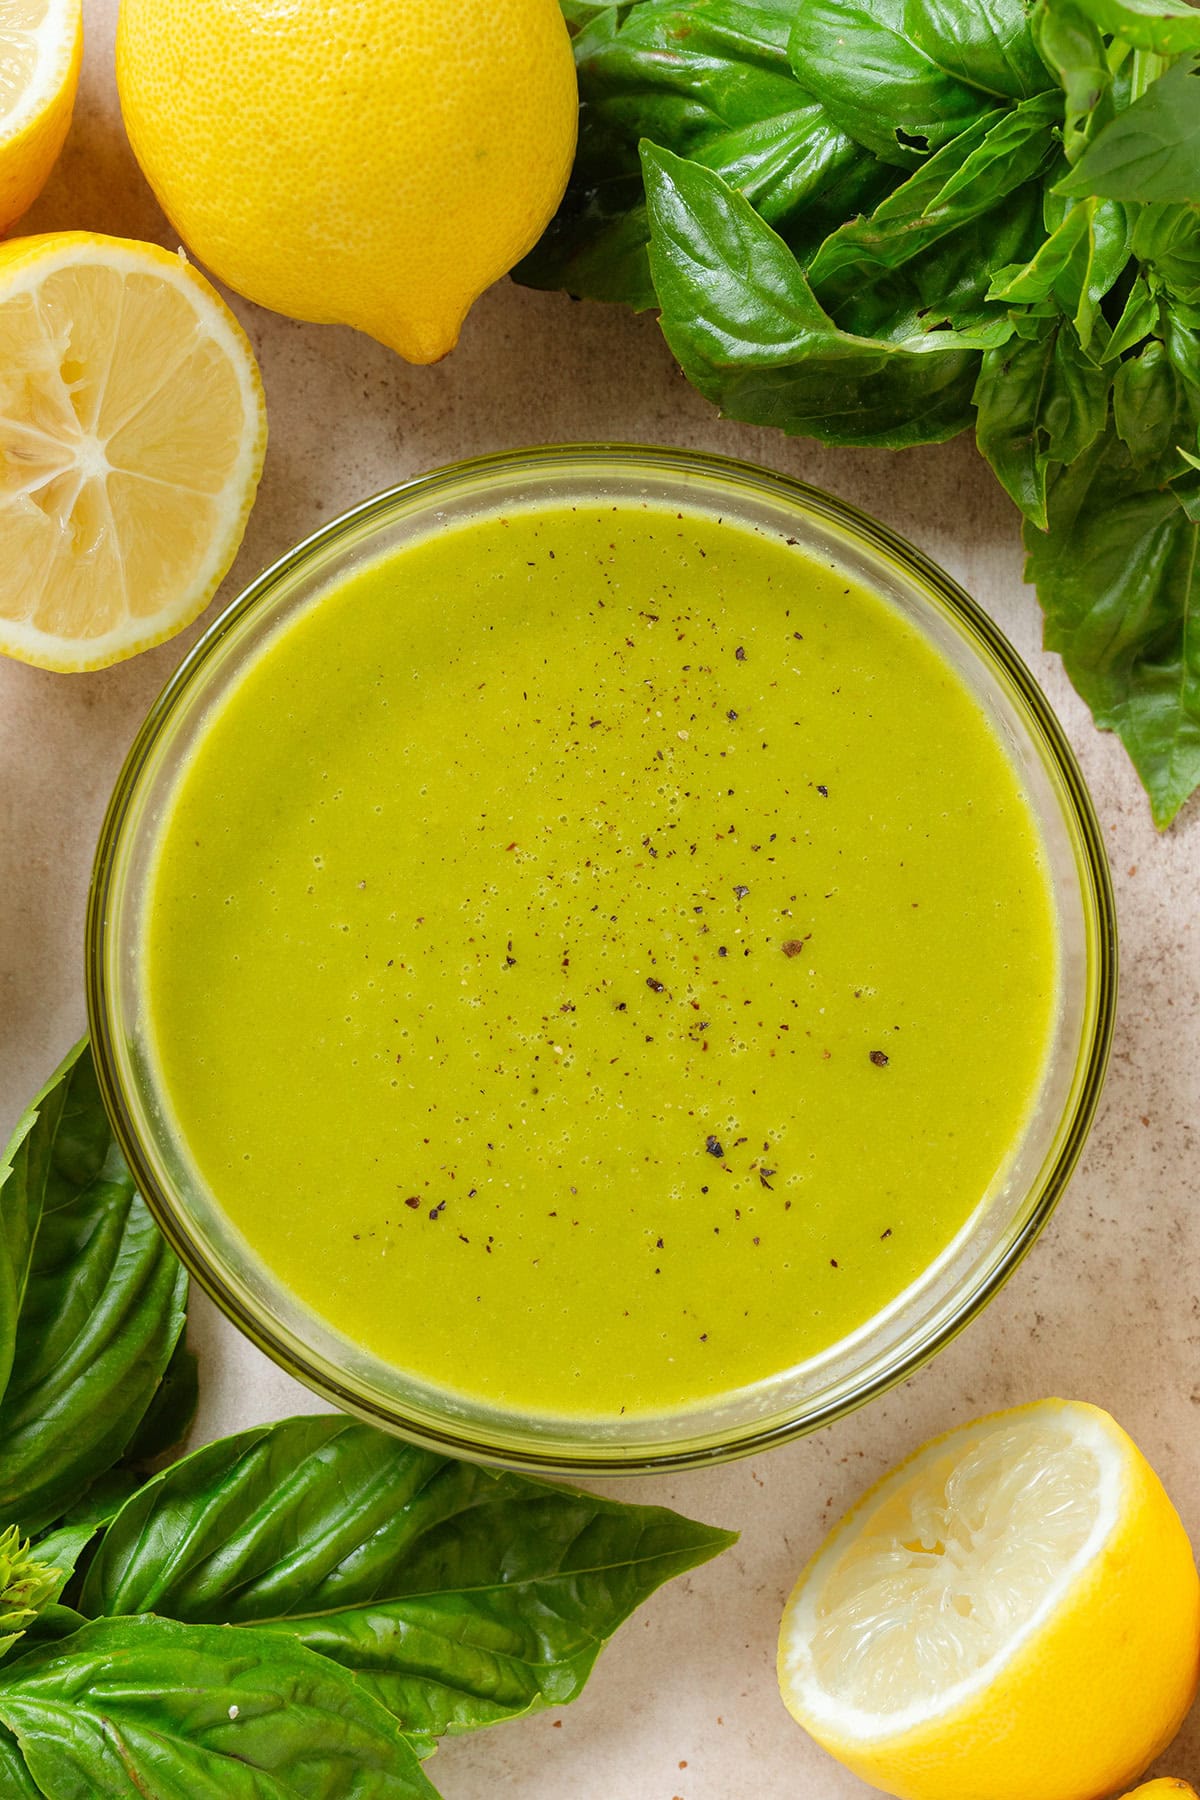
{"x":457,"y":1595}
{"x":749,"y":333}
{"x":904,"y":77}
{"x":733,"y":103}
{"x":131,"y":1707}
{"x":1151,"y":151}
{"x":1005,"y":235}
{"x":93,"y":1302}
{"x":1166,"y":27}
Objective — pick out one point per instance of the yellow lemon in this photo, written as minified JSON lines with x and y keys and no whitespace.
{"x":132,"y":431}
{"x":1014,"y":1611}
{"x":375,"y":163}
{"x":41,"y":43}
{"x":1166,"y":1788}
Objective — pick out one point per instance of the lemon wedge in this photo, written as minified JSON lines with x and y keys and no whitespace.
{"x":41,"y":43}
{"x":132,"y":431}
{"x":1015,"y":1610}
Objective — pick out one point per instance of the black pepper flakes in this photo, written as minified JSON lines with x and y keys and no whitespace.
{"x":714,"y":1146}
{"x":879,"y":1058}
{"x":655,"y":986}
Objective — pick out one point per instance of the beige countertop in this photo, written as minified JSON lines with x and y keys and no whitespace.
{"x":1106,"y":1308}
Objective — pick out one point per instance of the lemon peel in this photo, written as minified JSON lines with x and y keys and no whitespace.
{"x":358,"y":162}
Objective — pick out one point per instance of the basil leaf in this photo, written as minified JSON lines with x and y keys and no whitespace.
{"x":101,"y":1311}
{"x":903,"y":77}
{"x":748,"y":332}
{"x":1151,"y":150}
{"x":461,"y":1596}
{"x":168,"y":1418}
{"x":1119,"y":580}
{"x":1040,"y":401}
{"x":1070,"y":45}
{"x":16,"y":1783}
{"x":915,"y":262}
{"x":56,"y":1146}
{"x":1166,"y":27}
{"x":1076,"y":266}
{"x":131,"y":1707}
{"x":710,"y":79}
{"x":1167,"y":239}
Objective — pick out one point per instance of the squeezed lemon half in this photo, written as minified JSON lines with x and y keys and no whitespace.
{"x":132,"y":431}
{"x":41,"y":43}
{"x":1014,"y":1611}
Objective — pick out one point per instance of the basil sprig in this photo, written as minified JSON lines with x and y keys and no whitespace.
{"x":301,"y":1609}
{"x":888,"y":222}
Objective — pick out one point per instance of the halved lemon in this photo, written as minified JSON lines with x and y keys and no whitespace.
{"x":132,"y":432}
{"x":1013,"y":1612}
{"x":41,"y":43}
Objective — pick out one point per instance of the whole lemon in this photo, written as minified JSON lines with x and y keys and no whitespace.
{"x":375,"y":163}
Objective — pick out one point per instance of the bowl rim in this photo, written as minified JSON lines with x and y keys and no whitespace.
{"x":1097,"y":899}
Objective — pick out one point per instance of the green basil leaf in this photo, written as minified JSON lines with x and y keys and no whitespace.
{"x":126,"y":1708}
{"x":1167,"y":238}
{"x":460,"y":1596}
{"x":748,"y":332}
{"x":1076,"y":266}
{"x":54,"y":1148}
{"x":1151,"y":150}
{"x":916,"y":262}
{"x":1040,"y":401}
{"x":16,"y":1783}
{"x":1118,"y":577}
{"x":711,"y":80}
{"x":1139,"y":318}
{"x":102,"y":1309}
{"x":903,"y":77}
{"x":1167,"y":27}
{"x":168,"y":1418}
{"x":1146,"y":406}
{"x":1072,"y":48}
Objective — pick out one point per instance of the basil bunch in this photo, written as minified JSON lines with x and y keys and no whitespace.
{"x":301,"y":1609}
{"x":887,"y":221}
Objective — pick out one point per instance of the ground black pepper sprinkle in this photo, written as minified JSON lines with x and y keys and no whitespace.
{"x":879,"y":1058}
{"x":714,"y":1146}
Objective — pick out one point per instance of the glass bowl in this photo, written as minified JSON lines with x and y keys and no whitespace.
{"x":929,"y":1313}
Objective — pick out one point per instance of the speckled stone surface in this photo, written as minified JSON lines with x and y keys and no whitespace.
{"x":1106,"y":1308}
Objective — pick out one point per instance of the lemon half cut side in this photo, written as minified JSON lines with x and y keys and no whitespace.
{"x":132,"y":432}
{"x":1015,"y":1610}
{"x":41,"y":44}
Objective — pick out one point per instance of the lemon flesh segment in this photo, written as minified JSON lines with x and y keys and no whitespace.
{"x":132,"y":432}
{"x":1015,"y":1610}
{"x":41,"y":42}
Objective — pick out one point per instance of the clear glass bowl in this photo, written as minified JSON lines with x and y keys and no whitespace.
{"x":928,"y":1314}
